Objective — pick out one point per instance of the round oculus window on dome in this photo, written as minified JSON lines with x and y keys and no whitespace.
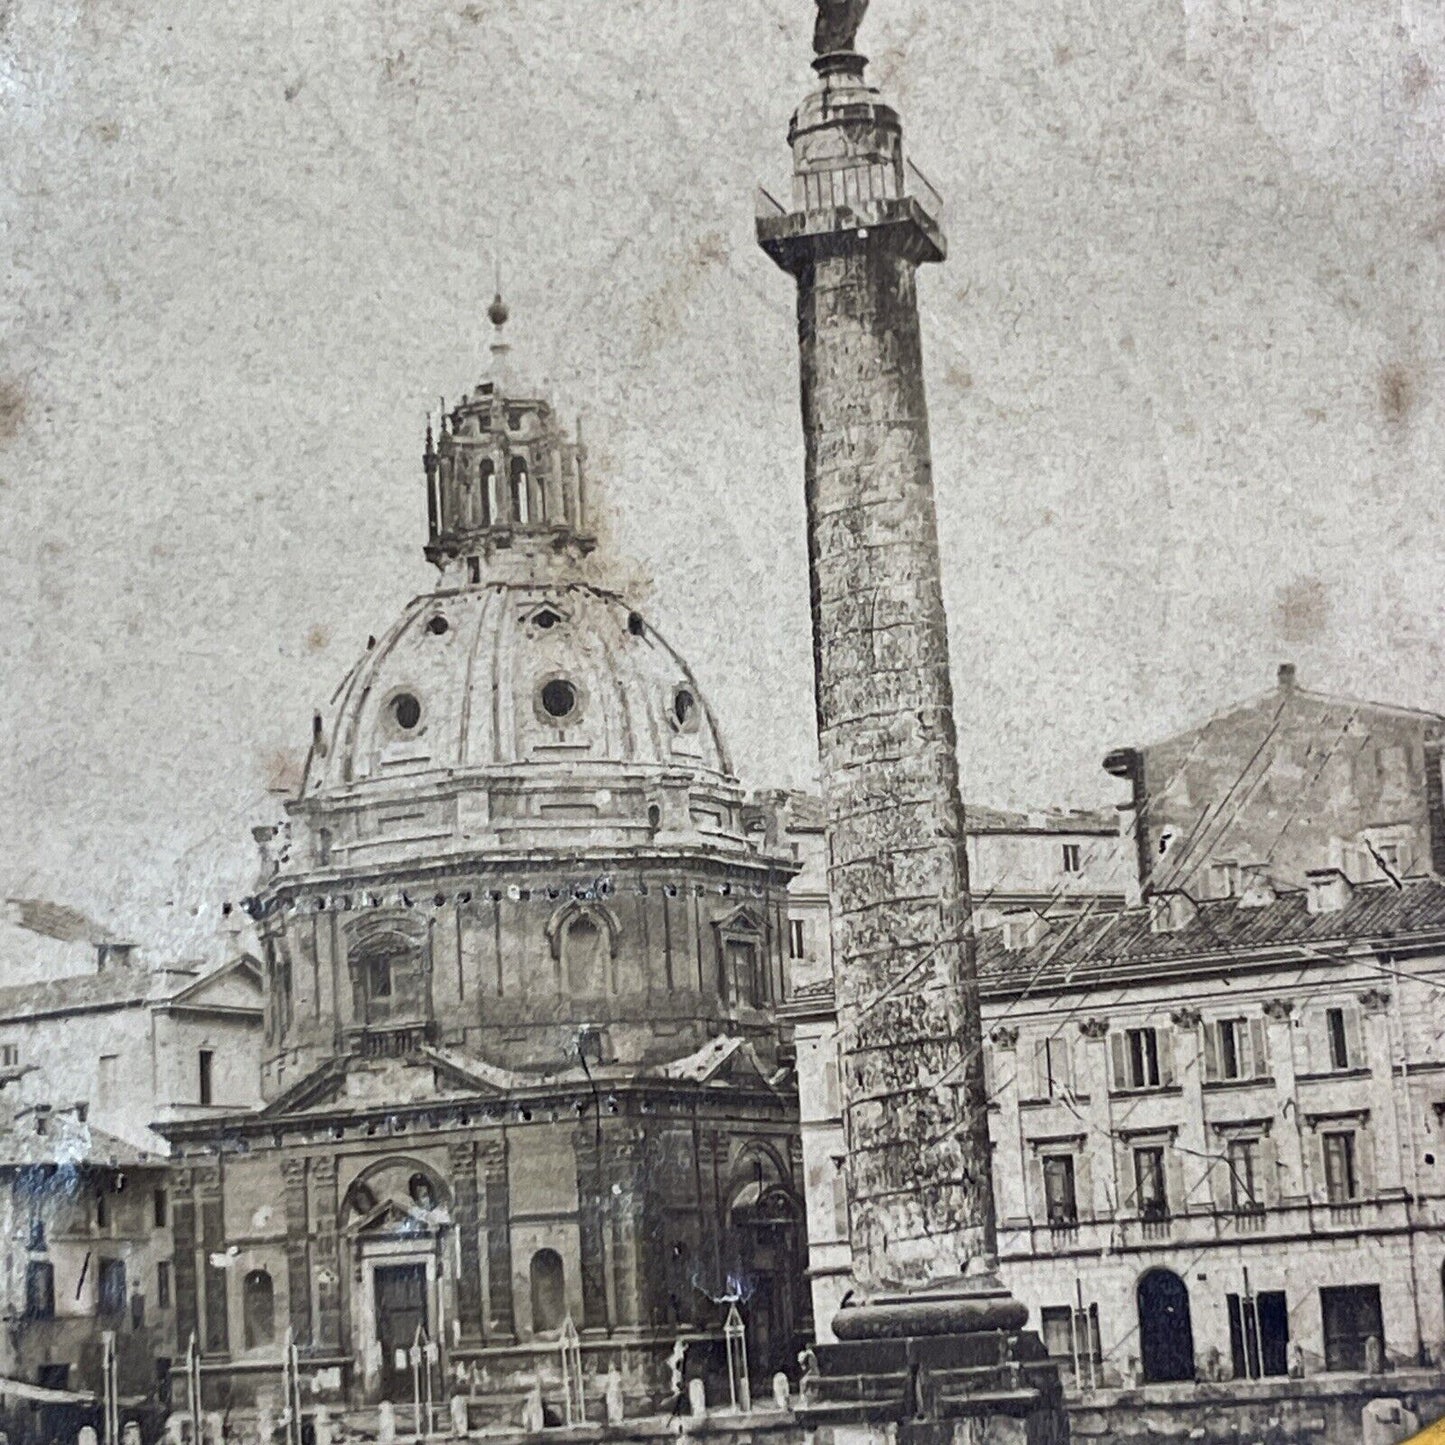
{"x":405,"y":711}
{"x":438,"y":626}
{"x":558,"y":698}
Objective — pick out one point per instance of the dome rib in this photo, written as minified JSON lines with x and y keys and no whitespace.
{"x":479,"y":680}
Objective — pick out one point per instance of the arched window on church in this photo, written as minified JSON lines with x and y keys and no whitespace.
{"x":549,"y":1292}
{"x":258,"y":1309}
{"x":487,"y":486}
{"x":521,"y":505}
{"x":585,"y":958}
{"x":389,"y":977}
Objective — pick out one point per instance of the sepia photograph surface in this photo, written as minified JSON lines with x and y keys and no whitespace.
{"x":722,"y":720}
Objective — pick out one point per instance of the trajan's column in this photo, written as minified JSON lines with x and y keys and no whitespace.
{"x":922,"y":1227}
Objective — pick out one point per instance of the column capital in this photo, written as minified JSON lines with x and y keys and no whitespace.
{"x":1186,"y":1017}
{"x":1003,"y":1036}
{"x":1278,"y":1010}
{"x":1094,"y":1028}
{"x":1375,"y":1001}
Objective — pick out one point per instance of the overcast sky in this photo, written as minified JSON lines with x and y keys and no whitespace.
{"x":1184,"y":370}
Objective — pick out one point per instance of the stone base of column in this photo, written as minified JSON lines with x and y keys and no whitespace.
{"x":937,"y":1367}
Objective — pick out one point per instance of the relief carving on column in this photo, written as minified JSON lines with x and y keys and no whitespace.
{"x":1094,"y":1028}
{"x":1278,"y":1010}
{"x":1375,"y":1001}
{"x":1185,"y":1018}
{"x":1004,"y":1036}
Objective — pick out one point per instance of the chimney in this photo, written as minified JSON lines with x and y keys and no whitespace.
{"x":1286,"y":675}
{"x":1435,"y":804}
{"x":113,"y":955}
{"x":1171,"y":911}
{"x":1021,"y":931}
{"x":1256,"y":887}
{"x":1328,"y":890}
{"x":1128,"y":764}
{"x":1224,"y":879}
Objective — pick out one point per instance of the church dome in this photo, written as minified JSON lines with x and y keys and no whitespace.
{"x":552,"y":675}
{"x":521,"y":707}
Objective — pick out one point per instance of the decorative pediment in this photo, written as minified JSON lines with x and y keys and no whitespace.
{"x":741,"y":920}
{"x":726,"y":1059}
{"x":319,"y":1088}
{"x":235,"y":985}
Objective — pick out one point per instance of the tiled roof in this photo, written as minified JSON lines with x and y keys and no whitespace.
{"x":67,"y":1141}
{"x":115,"y":987}
{"x":806,"y":811}
{"x":1088,"y":944}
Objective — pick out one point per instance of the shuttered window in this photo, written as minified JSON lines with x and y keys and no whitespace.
{"x":1060,"y":1201}
{"x":1342,"y":1180}
{"x":1141,"y":1058}
{"x":1235,"y":1049}
{"x":1053,"y":1068}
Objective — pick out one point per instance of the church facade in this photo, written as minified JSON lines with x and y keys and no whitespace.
{"x":524,"y":944}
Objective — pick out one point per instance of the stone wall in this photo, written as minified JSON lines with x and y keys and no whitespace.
{"x":1320,"y":1410}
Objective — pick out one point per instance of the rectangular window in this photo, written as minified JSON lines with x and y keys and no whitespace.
{"x":1143,"y":1058}
{"x":797,"y":938}
{"x":1053,"y":1071}
{"x":9,"y":1055}
{"x":1339,"y":1040}
{"x":1073,"y":858}
{"x":745,"y":976}
{"x":112,"y":1287}
{"x":205,"y":1060}
{"x":1056,"y":1325}
{"x":1234,"y":1049}
{"x":1230,"y":1050}
{"x":1352,"y":1317}
{"x":159,"y":1211}
{"x":378,"y":977}
{"x":1341,"y":1181}
{"x":1068,"y":1333}
{"x":37,"y":1231}
{"x":1243,"y":1189}
{"x":163,"y":1285}
{"x":1060,"y":1204}
{"x":105,"y":1072}
{"x":39,"y":1290}
{"x":1149,"y":1183}
{"x":1258,"y":1334}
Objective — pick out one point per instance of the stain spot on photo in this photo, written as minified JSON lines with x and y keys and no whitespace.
{"x":12,"y":408}
{"x":1301,"y":609}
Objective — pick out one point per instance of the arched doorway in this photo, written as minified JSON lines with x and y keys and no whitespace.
{"x":1166,"y":1335}
{"x":765,"y":1226}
